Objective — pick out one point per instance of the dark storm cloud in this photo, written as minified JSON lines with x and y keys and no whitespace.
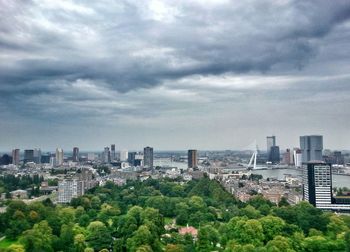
{"x":116,"y":60}
{"x":202,"y":40}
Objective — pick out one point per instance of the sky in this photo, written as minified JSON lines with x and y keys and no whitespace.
{"x":210,"y":75}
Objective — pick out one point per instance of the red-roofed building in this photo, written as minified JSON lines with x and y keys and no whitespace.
{"x":188,"y":230}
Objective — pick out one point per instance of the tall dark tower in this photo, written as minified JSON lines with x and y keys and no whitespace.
{"x":75,"y":154}
{"x":192,"y":158}
{"x":148,"y":157}
{"x":317,"y":183}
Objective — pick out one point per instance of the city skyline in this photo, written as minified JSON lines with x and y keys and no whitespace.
{"x":209,"y":75}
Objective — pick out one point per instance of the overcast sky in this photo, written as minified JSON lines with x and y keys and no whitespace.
{"x":213,"y":74}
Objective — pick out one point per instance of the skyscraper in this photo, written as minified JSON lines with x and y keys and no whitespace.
{"x":123,"y":155}
{"x":131,"y":158}
{"x":148,"y":157}
{"x":59,"y":156}
{"x":37,"y":156}
{"x":75,"y":154}
{"x":113,"y":157}
{"x":106,"y":155}
{"x":45,"y":158}
{"x":275,"y":154}
{"x":28,"y":156}
{"x":297,"y":157}
{"x":317,"y":184}
{"x":15,"y":156}
{"x":311,"y":148}
{"x":270,"y":142}
{"x":192,"y":158}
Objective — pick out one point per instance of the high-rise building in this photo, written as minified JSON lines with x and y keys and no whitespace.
{"x":123,"y":155}
{"x":317,"y":184}
{"x":75,"y":154}
{"x":131,"y":158}
{"x":317,"y":187}
{"x":15,"y":156}
{"x":297,"y":157}
{"x":192,"y":158}
{"x":113,"y":157}
{"x":69,"y":189}
{"x":59,"y":156}
{"x":287,"y":157}
{"x":106,"y":155}
{"x":270,"y":141}
{"x":275,"y":154}
{"x":28,"y":156}
{"x":45,"y":158}
{"x":148,"y":157}
{"x":37,"y":156}
{"x":311,"y":148}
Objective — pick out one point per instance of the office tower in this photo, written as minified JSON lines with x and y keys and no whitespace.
{"x":15,"y":156}
{"x":131,"y":158}
{"x":270,"y":141}
{"x":75,"y":154}
{"x":69,"y":189}
{"x":113,"y":157}
{"x":37,"y":156}
{"x":148,"y":157}
{"x":297,"y":156}
{"x":59,"y":156}
{"x":123,"y":155}
{"x":286,"y":157}
{"x":45,"y":158}
{"x":311,"y":148}
{"x":106,"y":155}
{"x":317,"y":184}
{"x":337,"y":157}
{"x":138,"y":159}
{"x":275,"y":154}
{"x":192,"y":158}
{"x":28,"y":156}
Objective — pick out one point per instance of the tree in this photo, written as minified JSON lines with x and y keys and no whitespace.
{"x":15,"y":248}
{"x":208,"y":237}
{"x":279,"y":243}
{"x":38,"y":239}
{"x":98,"y":236}
{"x":67,"y":236}
{"x":79,"y":243}
{"x":174,"y":248}
{"x":250,"y":231}
{"x":336,"y":226}
{"x":250,"y":212}
{"x":272,"y":226}
{"x":141,"y":237}
{"x":283,"y":202}
{"x":347,"y":241}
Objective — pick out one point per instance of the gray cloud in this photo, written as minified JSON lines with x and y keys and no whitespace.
{"x":126,"y":62}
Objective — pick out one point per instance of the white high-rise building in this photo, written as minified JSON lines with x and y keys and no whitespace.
{"x":297,"y":157}
{"x":59,"y":156}
{"x":123,"y":155}
{"x":69,"y":189}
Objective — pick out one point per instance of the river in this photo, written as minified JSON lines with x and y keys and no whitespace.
{"x":338,"y":180}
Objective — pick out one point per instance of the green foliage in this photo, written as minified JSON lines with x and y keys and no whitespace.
{"x":38,"y":239}
{"x":131,"y":218}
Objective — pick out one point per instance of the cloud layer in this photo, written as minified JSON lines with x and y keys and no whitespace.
{"x":148,"y":72}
